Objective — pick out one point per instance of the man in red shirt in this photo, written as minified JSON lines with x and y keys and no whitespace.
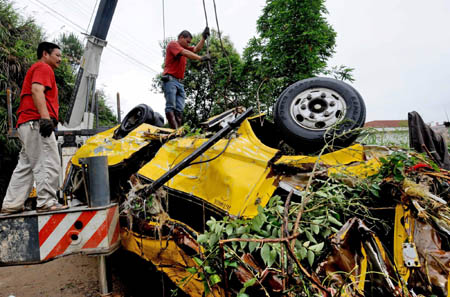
{"x":39,"y":160}
{"x":177,"y":53}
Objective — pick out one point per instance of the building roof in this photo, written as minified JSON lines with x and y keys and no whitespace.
{"x":387,"y":124}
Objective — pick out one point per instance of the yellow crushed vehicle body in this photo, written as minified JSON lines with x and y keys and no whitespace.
{"x":235,"y":184}
{"x":244,"y":173}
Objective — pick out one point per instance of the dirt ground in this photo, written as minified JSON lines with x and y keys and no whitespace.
{"x":71,"y":276}
{"x":77,"y":276}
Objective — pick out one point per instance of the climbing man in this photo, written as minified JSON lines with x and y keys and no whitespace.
{"x":37,"y":117}
{"x":174,"y":67}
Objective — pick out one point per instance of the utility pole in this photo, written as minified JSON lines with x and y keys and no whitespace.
{"x":119,"y":117}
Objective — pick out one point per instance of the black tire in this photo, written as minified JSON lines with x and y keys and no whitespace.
{"x":134,"y":118}
{"x":159,"y":120}
{"x":309,"y":112}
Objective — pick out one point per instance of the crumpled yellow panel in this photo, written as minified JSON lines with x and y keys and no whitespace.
{"x":340,"y":162}
{"x":354,"y":153}
{"x":102,"y":144}
{"x":169,"y":258}
{"x":362,"y":170}
{"x":237,"y":181}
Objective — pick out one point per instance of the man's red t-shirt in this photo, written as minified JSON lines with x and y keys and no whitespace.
{"x":175,"y":63}
{"x":43,"y":74}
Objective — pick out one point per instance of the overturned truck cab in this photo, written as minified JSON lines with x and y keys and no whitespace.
{"x":233,"y":211}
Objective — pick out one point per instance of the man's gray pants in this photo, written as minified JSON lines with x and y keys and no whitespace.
{"x":38,"y":161}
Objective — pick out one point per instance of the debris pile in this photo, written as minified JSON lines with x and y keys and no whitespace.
{"x":334,"y":235}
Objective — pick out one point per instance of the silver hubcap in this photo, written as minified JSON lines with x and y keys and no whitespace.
{"x":318,"y":109}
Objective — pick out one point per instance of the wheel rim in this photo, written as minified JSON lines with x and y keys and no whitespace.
{"x":318,"y":109}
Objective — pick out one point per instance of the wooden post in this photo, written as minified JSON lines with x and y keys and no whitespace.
{"x":119,"y":118}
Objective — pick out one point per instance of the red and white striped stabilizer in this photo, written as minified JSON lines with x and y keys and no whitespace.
{"x":88,"y":231}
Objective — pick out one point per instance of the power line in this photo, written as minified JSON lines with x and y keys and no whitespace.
{"x":134,"y":60}
{"x":120,"y":52}
{"x":93,"y":11}
{"x":65,"y":19}
{"x":57,"y":13}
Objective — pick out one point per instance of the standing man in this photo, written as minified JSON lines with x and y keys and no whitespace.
{"x":37,"y":117}
{"x":174,"y":67}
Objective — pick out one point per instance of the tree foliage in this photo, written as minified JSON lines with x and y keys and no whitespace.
{"x":295,"y":41}
{"x":213,"y":88}
{"x":106,"y":117}
{"x":72,"y":49}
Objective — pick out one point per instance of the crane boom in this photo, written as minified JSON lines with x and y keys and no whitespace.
{"x":90,"y":63}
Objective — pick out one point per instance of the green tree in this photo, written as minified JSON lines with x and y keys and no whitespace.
{"x":295,"y":41}
{"x":72,"y":49}
{"x":106,"y":117}
{"x":213,"y":88}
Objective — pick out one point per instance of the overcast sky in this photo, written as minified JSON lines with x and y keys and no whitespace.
{"x":400,"y":49}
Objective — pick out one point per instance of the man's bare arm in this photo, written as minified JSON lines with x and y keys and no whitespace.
{"x":199,"y":46}
{"x":190,"y":55}
{"x":37,"y":92}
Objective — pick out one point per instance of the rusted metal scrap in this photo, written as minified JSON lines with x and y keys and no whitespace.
{"x":432,"y":275}
{"x":357,"y":259}
{"x":268,"y":278}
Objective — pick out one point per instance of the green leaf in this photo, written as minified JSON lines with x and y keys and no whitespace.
{"x":303,"y":252}
{"x":234,"y":245}
{"x":334,"y":229}
{"x":233,"y":264}
{"x":218,"y":228}
{"x":310,"y":257}
{"x":273,"y":257}
{"x":252,"y":246}
{"x":202,"y":238}
{"x":206,"y":287}
{"x":229,"y":229}
{"x":265,"y":253}
{"x":260,"y":209}
{"x":191,"y":270}
{"x":243,"y":243}
{"x":317,"y":247}
{"x":242,"y":295}
{"x":315,"y":229}
{"x":321,"y":194}
{"x":240,"y":230}
{"x":214,"y":279}
{"x":275,"y":232}
{"x":211,"y":222}
{"x":310,"y":237}
{"x":326,"y":233}
{"x":213,"y":239}
{"x":249,"y":283}
{"x":333,"y":220}
{"x":198,"y":261}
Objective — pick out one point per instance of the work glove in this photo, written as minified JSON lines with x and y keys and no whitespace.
{"x":205,"y":58}
{"x":205,"y":33}
{"x":46,"y":127}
